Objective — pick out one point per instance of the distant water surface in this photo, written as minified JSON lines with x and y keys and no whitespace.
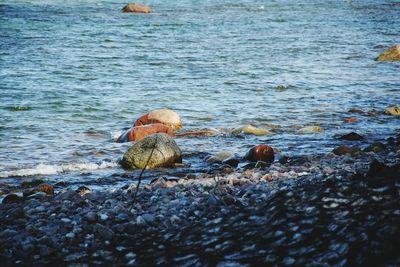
{"x":73,"y":74}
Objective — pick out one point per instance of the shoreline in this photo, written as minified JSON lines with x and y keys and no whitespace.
{"x":277,"y":214}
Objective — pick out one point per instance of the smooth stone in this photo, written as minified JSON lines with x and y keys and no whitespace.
{"x":157,"y":150}
{"x":390,"y":54}
{"x":136,"y":8}
{"x":393,"y":111}
{"x":250,"y":129}
{"x":352,"y":137}
{"x":260,"y":153}
{"x":219,"y":157}
{"x":310,"y":129}
{"x":165,"y":116}
{"x":343,"y":150}
{"x":137,"y":133}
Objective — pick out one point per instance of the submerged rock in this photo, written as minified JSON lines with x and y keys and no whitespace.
{"x":390,"y":54}
{"x":219,"y":157}
{"x":165,"y":116}
{"x":393,"y":111}
{"x":343,"y":150}
{"x":350,"y":120}
{"x":157,"y":150}
{"x":250,"y":129}
{"x":311,"y":129}
{"x":137,"y":8}
{"x":260,"y":153}
{"x":351,"y":137}
{"x":137,"y":133}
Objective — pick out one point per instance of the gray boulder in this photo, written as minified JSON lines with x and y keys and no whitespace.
{"x":160,"y":148}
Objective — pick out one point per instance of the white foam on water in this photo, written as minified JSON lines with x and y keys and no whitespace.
{"x":115,"y":135}
{"x":46,"y":169}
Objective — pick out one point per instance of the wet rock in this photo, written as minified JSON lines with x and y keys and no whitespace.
{"x":350,"y":120}
{"x":352,"y":137}
{"x":219,"y":157}
{"x":137,"y":133}
{"x":250,"y":129}
{"x":45,"y":188}
{"x":67,"y":195}
{"x":158,"y":150}
{"x":393,"y":111}
{"x":232,"y":161}
{"x":260,"y":153}
{"x":343,"y":150}
{"x":375,"y":147}
{"x":165,"y":116}
{"x":83,"y":190}
{"x":136,"y":8}
{"x":12,"y":198}
{"x":390,"y":54}
{"x":311,"y":129}
{"x":284,"y":160}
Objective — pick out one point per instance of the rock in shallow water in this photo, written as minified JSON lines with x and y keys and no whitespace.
{"x":310,"y":129}
{"x":351,"y":137}
{"x":260,"y":153}
{"x":165,"y":116}
{"x":343,"y":150}
{"x":390,"y":54}
{"x":136,"y":8}
{"x":137,"y":133}
{"x":250,"y":129}
{"x":157,"y":150}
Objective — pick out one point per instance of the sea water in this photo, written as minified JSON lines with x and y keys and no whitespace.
{"x":74,"y":74}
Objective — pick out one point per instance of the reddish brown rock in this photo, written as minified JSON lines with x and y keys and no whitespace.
{"x":350,"y":120}
{"x":136,"y":8}
{"x":139,"y":132}
{"x":260,"y":153}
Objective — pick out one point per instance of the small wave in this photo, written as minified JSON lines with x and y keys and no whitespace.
{"x":46,"y":169}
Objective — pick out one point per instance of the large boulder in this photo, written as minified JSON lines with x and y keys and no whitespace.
{"x":137,"y":133}
{"x":137,"y":8}
{"x":390,"y":54}
{"x":157,"y":150}
{"x":164,"y":116}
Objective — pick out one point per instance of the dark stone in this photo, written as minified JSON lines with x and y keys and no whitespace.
{"x":375,"y":147}
{"x":232,"y":161}
{"x":352,"y":137}
{"x":67,"y":195}
{"x":11,"y":198}
{"x":343,"y":150}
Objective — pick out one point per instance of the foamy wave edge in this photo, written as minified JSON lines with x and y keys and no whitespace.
{"x":46,"y":169}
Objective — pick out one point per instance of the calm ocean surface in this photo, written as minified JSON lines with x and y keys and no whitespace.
{"x":73,"y":74}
